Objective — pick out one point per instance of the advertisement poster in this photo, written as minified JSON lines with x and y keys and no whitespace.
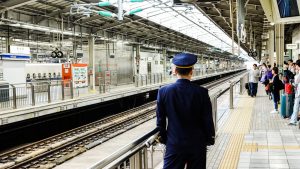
{"x":79,"y":73}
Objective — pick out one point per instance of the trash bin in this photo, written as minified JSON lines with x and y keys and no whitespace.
{"x":4,"y":91}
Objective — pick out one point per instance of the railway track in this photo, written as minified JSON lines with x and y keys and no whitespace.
{"x":55,"y":150}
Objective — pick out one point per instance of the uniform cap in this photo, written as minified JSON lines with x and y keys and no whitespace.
{"x":184,"y":60}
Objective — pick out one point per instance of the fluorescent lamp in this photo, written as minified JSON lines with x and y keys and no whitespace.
{"x":102,"y":4}
{"x":106,"y":14}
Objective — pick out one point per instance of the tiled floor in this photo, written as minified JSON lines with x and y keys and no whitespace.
{"x":254,"y":138}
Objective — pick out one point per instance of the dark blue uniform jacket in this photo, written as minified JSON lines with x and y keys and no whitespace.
{"x":184,"y":116}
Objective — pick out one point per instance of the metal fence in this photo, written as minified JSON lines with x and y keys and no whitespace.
{"x":140,"y":154}
{"x":15,"y":96}
{"x":34,"y":93}
{"x":148,"y":79}
{"x":154,"y":78}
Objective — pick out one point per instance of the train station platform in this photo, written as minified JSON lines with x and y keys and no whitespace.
{"x":25,"y":110}
{"x":254,"y":138}
{"x":248,"y":137}
{"x":92,"y":156}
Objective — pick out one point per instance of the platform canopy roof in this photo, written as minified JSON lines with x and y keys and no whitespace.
{"x":160,"y":24}
{"x":187,"y":20}
{"x":219,"y":13}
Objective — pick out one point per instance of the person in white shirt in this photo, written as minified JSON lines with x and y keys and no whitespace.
{"x":253,"y":80}
{"x":291,"y":66}
{"x":293,"y":120}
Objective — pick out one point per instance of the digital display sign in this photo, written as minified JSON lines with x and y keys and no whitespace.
{"x":288,"y":8}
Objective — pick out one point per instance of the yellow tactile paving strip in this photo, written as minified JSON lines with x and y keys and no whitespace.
{"x":237,"y":126}
{"x":254,"y":147}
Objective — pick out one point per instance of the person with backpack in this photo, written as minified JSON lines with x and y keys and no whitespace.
{"x":269,"y":77}
{"x":269,"y":73}
{"x":263,"y":73}
{"x":293,"y":120}
{"x":275,"y":86}
{"x":287,"y":73}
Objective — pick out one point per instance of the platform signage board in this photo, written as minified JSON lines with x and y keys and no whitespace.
{"x":20,"y":50}
{"x":79,"y":75}
{"x":291,"y":46}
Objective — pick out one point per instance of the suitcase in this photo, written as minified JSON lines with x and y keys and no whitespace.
{"x":283,"y":105}
{"x":247,"y":88}
{"x":287,"y":104}
{"x":246,"y":85}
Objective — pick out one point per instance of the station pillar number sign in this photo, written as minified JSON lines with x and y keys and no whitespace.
{"x":252,"y":53}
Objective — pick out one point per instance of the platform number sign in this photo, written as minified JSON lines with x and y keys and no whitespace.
{"x":252,"y":53}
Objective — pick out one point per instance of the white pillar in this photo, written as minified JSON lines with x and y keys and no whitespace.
{"x":91,"y":43}
{"x":271,"y":47}
{"x":164,"y":53}
{"x":279,"y":42}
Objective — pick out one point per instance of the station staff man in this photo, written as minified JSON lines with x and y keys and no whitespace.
{"x":184,"y":118}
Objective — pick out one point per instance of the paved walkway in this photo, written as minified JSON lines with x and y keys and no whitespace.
{"x":251,"y":137}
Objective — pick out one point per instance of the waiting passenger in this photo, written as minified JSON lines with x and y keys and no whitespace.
{"x":293,"y":120}
{"x":253,"y":80}
{"x":268,"y":77}
{"x":291,"y":66}
{"x":184,"y":118}
{"x":275,"y":86}
{"x":285,"y":65}
{"x":269,"y":73}
{"x":263,"y":73}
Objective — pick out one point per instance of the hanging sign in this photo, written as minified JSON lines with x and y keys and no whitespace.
{"x":291,"y":46}
{"x":20,"y":50}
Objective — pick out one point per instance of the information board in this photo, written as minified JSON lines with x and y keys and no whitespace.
{"x":79,"y":75}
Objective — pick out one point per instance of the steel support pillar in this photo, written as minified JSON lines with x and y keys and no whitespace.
{"x":232,"y":25}
{"x":202,"y":65}
{"x":8,"y":40}
{"x":231,"y":95}
{"x":271,"y":47}
{"x":138,"y":56}
{"x":91,"y":43}
{"x":120,"y":10}
{"x":164,"y":53}
{"x":279,"y":45}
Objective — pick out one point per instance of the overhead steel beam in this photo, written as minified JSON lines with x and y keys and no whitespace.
{"x":54,"y":13}
{"x":155,"y":35}
{"x":221,"y":14}
{"x":268,"y":8}
{"x":50,"y":4}
{"x":11,"y":4}
{"x":89,"y":19}
{"x":253,"y":19}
